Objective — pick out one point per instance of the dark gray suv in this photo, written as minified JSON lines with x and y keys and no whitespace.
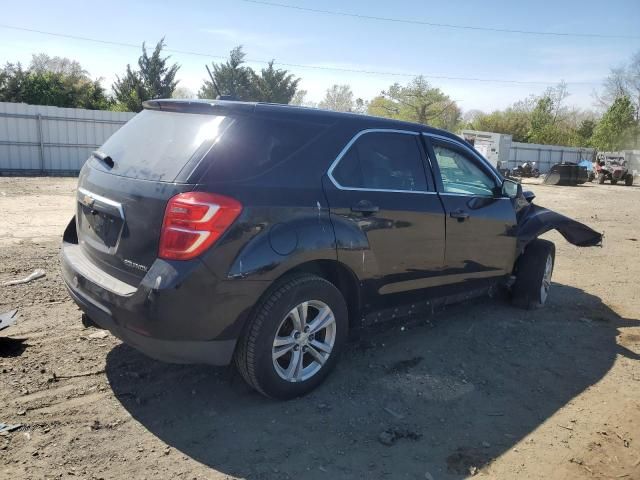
{"x":217,"y":231}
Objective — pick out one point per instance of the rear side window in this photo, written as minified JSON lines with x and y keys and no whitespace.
{"x":382,"y":161}
{"x":156,"y":145}
{"x":255,"y":145}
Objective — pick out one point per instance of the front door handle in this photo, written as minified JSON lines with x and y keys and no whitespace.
{"x":365,"y":207}
{"x":461,"y":215}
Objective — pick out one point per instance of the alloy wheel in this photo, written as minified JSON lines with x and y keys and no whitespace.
{"x":304,"y":341}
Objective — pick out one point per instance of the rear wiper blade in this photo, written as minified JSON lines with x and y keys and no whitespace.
{"x":104,"y":158}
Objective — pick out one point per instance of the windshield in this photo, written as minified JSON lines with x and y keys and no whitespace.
{"x":157,"y":145}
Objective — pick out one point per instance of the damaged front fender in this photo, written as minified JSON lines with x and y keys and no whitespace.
{"x":534,"y":220}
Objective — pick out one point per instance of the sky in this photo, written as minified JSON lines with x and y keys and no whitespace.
{"x":397,"y":50}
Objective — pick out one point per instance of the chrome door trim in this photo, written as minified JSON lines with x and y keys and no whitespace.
{"x":344,"y":151}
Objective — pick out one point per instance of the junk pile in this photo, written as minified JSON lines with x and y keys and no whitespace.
{"x":566,"y":174}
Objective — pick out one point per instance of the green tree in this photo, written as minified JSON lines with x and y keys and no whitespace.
{"x":274,"y":85}
{"x":515,"y":121}
{"x":231,"y":78}
{"x":47,"y":89}
{"x":417,"y":102}
{"x":549,"y":118}
{"x":43,"y":63}
{"x":584,"y":132}
{"x":235,"y":79}
{"x":12,"y":82}
{"x":53,"y":81}
{"x":155,"y":78}
{"x":539,"y":119}
{"x":542,"y":128}
{"x":338,"y":98}
{"x":300,"y":98}
{"x":623,"y":81}
{"x":617,"y":129}
{"x":183,"y":93}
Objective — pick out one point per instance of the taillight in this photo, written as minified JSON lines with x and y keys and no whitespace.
{"x":193,"y":221}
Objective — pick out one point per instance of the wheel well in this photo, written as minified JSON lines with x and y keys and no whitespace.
{"x":342,"y":277}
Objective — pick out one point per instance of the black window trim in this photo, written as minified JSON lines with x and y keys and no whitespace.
{"x":344,"y":151}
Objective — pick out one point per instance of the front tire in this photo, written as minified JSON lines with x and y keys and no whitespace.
{"x":628,"y":179}
{"x":294,"y":338}
{"x":601,"y":178}
{"x":533,"y":275}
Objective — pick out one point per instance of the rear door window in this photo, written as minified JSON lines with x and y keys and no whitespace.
{"x":157,"y":145}
{"x":382,"y":161}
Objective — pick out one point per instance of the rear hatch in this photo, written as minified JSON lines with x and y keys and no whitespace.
{"x":124,"y":187}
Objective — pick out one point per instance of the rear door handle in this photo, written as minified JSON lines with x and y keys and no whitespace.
{"x":365,"y":207}
{"x":461,"y":215}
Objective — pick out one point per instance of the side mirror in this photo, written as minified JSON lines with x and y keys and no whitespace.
{"x":511,"y":189}
{"x":529,"y":196}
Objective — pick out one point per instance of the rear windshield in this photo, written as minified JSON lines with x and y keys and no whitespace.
{"x":156,"y":145}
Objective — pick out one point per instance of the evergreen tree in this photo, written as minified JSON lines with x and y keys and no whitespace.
{"x":235,"y":79}
{"x":274,"y":85}
{"x":155,"y":78}
{"x":231,"y":78}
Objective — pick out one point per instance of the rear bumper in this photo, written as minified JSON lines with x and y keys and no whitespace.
{"x":213,"y":352}
{"x":179,"y":313}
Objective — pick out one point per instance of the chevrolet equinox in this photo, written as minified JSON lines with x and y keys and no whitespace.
{"x":220,"y":231}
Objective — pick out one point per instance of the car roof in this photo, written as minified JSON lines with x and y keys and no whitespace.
{"x":206,"y":106}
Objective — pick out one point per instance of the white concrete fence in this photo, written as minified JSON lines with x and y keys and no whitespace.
{"x":41,"y":140}
{"x":546,"y":156}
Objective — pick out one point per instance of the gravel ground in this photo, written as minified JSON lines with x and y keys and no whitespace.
{"x":479,"y":389}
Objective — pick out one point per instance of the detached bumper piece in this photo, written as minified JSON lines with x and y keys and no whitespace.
{"x":8,"y":318}
{"x":534,"y":220}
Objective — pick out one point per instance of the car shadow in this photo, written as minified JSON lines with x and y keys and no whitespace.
{"x":442,"y":396}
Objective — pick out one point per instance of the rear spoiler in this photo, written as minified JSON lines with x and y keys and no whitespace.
{"x":207,"y":107}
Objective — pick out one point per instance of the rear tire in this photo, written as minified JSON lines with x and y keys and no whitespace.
{"x":276,"y":327}
{"x":628,"y":179}
{"x":601,"y":178}
{"x":614,"y":181}
{"x":533,"y":275}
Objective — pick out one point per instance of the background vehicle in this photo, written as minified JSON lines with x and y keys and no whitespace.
{"x":210,"y":231}
{"x":527,"y":170}
{"x":614,"y":169}
{"x":566,"y":174}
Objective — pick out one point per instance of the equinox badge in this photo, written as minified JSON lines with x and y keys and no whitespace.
{"x":135,"y":265}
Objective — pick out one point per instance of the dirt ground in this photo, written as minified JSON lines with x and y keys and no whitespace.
{"x":479,"y":389}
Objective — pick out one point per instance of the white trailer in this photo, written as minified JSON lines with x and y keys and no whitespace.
{"x":494,"y":147}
